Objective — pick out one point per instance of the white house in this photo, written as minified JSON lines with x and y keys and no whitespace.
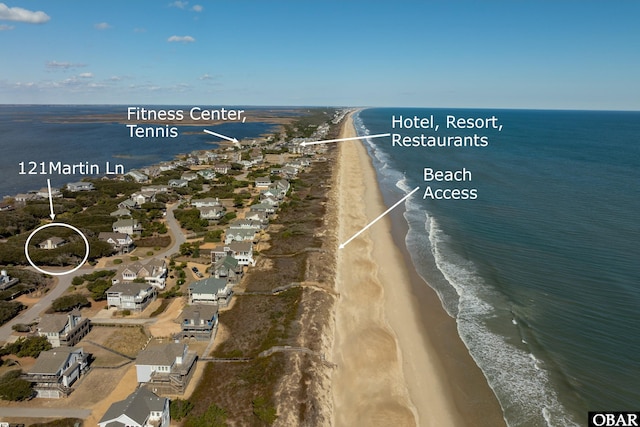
{"x":165,"y":368}
{"x":52,"y":243}
{"x":130,"y":295}
{"x":128,"y":226}
{"x":208,"y":202}
{"x":263,"y":182}
{"x":138,"y":176}
{"x":178,"y":183}
{"x":212,"y":213}
{"x":141,"y":408}
{"x":239,"y":235}
{"x":120,"y":242}
{"x":6,"y":281}
{"x":242,"y":251}
{"x":154,"y":272}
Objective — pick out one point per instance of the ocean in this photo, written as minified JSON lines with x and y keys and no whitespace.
{"x":37,"y":133}
{"x":542,"y":270}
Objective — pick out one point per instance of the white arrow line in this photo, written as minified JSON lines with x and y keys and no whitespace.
{"x":52,"y":215}
{"x":221,"y":136}
{"x":380,"y":216}
{"x":380,"y":135}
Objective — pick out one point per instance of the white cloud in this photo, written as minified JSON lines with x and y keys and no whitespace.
{"x":179,"y":4}
{"x":55,"y":65}
{"x":181,"y":39}
{"x":6,"y":27}
{"x":197,"y":8}
{"x":102,"y":26}
{"x":22,"y":15}
{"x":85,"y":75}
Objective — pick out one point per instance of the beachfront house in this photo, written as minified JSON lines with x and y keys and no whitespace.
{"x":239,"y":235}
{"x":56,"y":370}
{"x":210,"y":291}
{"x":263,"y":207}
{"x":166,"y":368}
{"x":141,"y":408}
{"x":128,"y":226}
{"x":130,"y":296}
{"x":227,"y":268}
{"x":154,"y":272}
{"x":63,"y":330}
{"x":122,"y":243}
{"x":199,"y":322}
{"x":52,"y":243}
{"x":242,"y":251}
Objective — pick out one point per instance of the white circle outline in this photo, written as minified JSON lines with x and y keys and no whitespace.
{"x":55,"y":224}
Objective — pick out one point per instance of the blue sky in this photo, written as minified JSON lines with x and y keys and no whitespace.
{"x":499,"y":54}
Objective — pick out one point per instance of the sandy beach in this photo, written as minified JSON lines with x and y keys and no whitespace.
{"x":399,"y":358}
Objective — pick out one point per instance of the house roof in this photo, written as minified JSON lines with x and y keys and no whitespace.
{"x":136,"y":406}
{"x":51,"y":361}
{"x":161,"y":355}
{"x":55,"y":322}
{"x":227,"y":262}
{"x":199,"y":311}
{"x":128,"y":222}
{"x":129,"y":288}
{"x":55,"y":240}
{"x":105,"y":235}
{"x":210,"y":285}
{"x":121,"y":212}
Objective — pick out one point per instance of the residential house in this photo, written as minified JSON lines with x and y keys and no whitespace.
{"x":263,"y":182}
{"x":127,"y":204}
{"x":120,"y":242}
{"x":63,"y":330}
{"x":137,"y":176}
{"x":222,"y":168}
{"x":56,"y":370}
{"x":210,"y":291}
{"x":166,"y":368}
{"x":239,"y":235}
{"x":120,"y":213}
{"x":263,"y":207}
{"x":130,"y":295}
{"x":199,"y":322}
{"x":141,"y":408}
{"x":128,"y":226}
{"x":142,"y":197}
{"x":262,"y":217}
{"x":178,"y":183}
{"x":154,"y":272}
{"x":5,"y":281}
{"x":212,"y":213}
{"x":52,"y":243}
{"x":189,"y":176}
{"x":227,"y":268}
{"x":43,"y":193}
{"x":80,"y":186}
{"x":207,"y":174}
{"x":270,"y":200}
{"x":246,"y":224}
{"x":208,"y":202}
{"x":242,"y":251}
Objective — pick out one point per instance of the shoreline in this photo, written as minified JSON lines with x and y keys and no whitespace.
{"x":412,"y":367}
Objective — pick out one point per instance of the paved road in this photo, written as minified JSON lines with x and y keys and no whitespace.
{"x":176,"y":232}
{"x":44,"y":412}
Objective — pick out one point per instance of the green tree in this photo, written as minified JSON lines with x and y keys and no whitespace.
{"x":69,"y":302}
{"x":264,"y":410}
{"x":12,"y":387}
{"x":179,"y":409}
{"x":214,"y":417}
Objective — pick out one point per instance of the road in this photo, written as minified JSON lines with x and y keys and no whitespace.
{"x":64,"y":282}
{"x":44,"y":413}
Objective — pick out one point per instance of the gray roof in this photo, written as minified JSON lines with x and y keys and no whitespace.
{"x":210,"y":285}
{"x":160,"y":355}
{"x":228,"y":262}
{"x":129,"y":288}
{"x":51,"y":361}
{"x":199,"y":311}
{"x":136,"y":406}
{"x":54,"y":322}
